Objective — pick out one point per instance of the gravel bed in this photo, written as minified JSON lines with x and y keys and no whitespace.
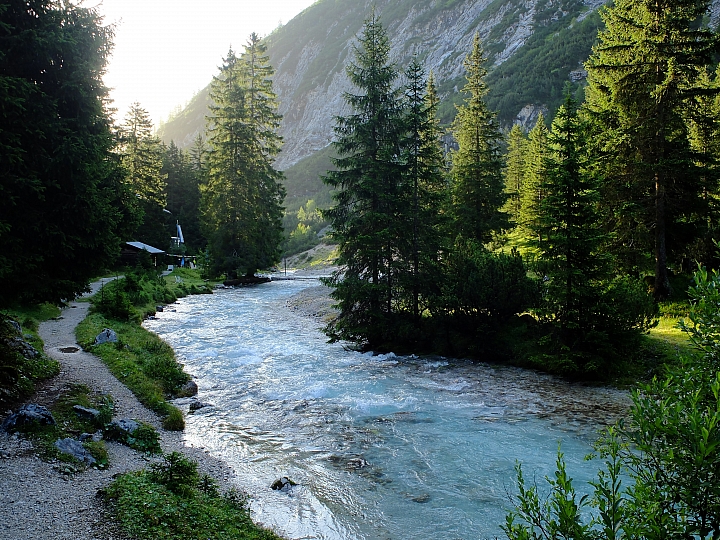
{"x":38,"y":499}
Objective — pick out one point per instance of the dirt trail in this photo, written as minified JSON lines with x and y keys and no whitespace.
{"x":36,"y":500}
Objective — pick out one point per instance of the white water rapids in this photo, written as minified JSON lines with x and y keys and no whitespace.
{"x":382,"y":447}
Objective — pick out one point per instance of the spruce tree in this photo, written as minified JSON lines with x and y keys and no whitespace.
{"x":477,"y":165}
{"x":567,"y":232}
{"x":594,"y":316}
{"x":64,"y":209}
{"x":142,"y":157}
{"x":704,"y":131}
{"x":531,"y":193}
{"x":423,"y":191}
{"x":514,"y":173}
{"x":183,"y":196}
{"x":367,"y":180}
{"x":242,"y":195}
{"x":642,"y":75}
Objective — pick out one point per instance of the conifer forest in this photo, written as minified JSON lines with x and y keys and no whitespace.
{"x":457,"y":231}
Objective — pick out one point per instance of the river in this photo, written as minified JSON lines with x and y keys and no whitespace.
{"x":381,"y":447}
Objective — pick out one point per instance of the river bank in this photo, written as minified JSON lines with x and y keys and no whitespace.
{"x":38,"y":499}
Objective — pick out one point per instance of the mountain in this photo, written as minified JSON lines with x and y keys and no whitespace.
{"x":534,"y":47}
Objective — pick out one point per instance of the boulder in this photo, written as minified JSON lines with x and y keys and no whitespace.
{"x":197,"y":405}
{"x":95,"y":437}
{"x":15,"y":326}
{"x":75,"y":449}
{"x":124,"y":426}
{"x":283,"y":484}
{"x":26,"y":416}
{"x":21,"y":346}
{"x":106,"y":336}
{"x":86,"y":413}
{"x":159,"y":308}
{"x":188,"y":389}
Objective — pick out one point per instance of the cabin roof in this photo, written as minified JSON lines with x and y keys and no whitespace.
{"x":146,"y":247}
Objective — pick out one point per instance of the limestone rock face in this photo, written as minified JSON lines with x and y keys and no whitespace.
{"x":310,"y":53}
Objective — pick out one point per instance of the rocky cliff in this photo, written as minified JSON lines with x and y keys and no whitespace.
{"x":534,"y":47}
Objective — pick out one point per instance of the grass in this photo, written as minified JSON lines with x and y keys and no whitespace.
{"x":140,"y":359}
{"x":70,"y":425}
{"x":148,"y":506}
{"x":18,"y":375}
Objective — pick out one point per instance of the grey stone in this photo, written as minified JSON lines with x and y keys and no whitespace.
{"x":27,"y":415}
{"x":283,"y":484}
{"x":16,"y":326}
{"x":23,"y":347}
{"x":188,"y":389}
{"x":75,"y":449}
{"x":95,"y":437}
{"x":197,"y":405}
{"x":159,"y":308}
{"x":124,"y":425}
{"x":86,"y":413}
{"x":106,"y":336}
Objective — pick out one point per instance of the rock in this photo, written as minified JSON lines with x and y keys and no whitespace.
{"x":159,"y":308}
{"x":421,"y":499}
{"x":15,"y":326}
{"x":197,"y":405}
{"x":283,"y":484}
{"x":106,"y":336}
{"x":86,"y":413}
{"x":95,"y":437}
{"x":23,"y":347}
{"x":188,"y":389}
{"x":121,"y":429}
{"x":27,"y":415}
{"x":356,"y":464}
{"x":75,"y":449}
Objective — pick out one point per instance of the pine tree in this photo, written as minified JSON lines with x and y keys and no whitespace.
{"x":515,"y":165}
{"x":242,"y":195}
{"x":477,"y":190}
{"x":642,"y":74}
{"x":183,"y":196}
{"x":531,"y":193}
{"x":367,"y":179}
{"x":142,"y":156}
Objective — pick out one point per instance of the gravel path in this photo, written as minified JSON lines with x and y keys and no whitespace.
{"x":37,"y":501}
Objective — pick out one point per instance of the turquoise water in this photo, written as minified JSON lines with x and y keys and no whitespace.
{"x":382,"y":447}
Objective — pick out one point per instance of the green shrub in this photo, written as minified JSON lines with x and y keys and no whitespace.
{"x":149,"y":510}
{"x":145,"y":438}
{"x":176,"y":472}
{"x":174,"y":421}
{"x":668,"y":450}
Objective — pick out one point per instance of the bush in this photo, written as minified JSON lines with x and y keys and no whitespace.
{"x":483,"y":286}
{"x":174,"y":421}
{"x":669,"y":449}
{"x":176,"y":472}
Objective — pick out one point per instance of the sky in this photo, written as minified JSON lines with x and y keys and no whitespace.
{"x":167,"y":50}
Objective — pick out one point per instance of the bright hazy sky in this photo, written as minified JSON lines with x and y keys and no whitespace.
{"x":167,"y":50}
